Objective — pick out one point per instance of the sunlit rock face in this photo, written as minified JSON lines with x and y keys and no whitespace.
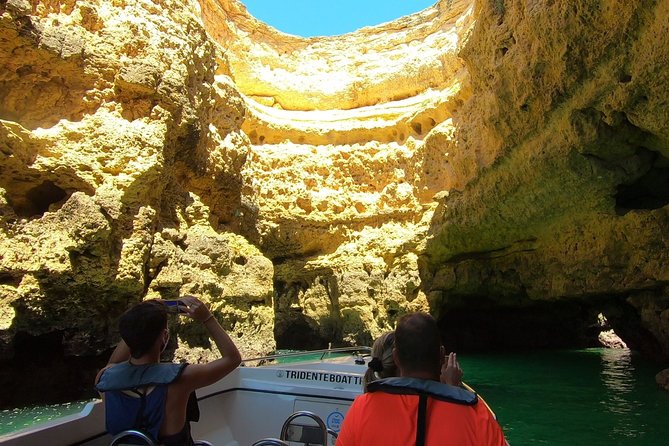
{"x":567,"y":132}
{"x":121,"y":158}
{"x":502,"y":165}
{"x":348,"y":136}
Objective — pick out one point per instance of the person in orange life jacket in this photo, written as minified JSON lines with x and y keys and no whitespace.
{"x":415,"y":408}
{"x":382,"y":365}
{"x":140,"y":392}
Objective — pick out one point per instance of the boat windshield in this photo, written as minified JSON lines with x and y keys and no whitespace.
{"x":291,"y":356}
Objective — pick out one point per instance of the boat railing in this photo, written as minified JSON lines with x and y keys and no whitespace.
{"x":359,"y":351}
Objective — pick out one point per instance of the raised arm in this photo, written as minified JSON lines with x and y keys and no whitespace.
{"x":201,"y":375}
{"x":120,"y":354}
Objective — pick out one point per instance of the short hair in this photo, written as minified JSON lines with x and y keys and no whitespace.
{"x":141,"y":325}
{"x":418,"y":343}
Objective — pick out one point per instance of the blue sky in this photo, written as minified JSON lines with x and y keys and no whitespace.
{"x":308,"y":18}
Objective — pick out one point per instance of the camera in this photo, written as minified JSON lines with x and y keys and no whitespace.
{"x":175,"y":306}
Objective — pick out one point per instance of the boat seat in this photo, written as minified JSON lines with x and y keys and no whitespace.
{"x":133,"y":437}
{"x":270,"y":442}
{"x":306,"y":433}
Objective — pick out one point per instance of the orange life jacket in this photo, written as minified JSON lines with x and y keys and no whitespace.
{"x":389,"y":415}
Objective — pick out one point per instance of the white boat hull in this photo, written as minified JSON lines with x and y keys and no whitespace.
{"x":249,"y":404}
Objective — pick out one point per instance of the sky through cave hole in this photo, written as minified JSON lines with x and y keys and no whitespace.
{"x":308,"y":18}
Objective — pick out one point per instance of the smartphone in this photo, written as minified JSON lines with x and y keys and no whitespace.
{"x":175,"y":306}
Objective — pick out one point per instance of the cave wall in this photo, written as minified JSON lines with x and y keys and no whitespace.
{"x":570,"y":199}
{"x":120,"y":160}
{"x":345,"y":161}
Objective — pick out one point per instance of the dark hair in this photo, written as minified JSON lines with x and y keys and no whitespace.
{"x":141,"y":325}
{"x":418,"y":343}
{"x":382,"y":364}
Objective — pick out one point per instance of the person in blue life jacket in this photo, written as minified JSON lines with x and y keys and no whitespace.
{"x":140,"y":392}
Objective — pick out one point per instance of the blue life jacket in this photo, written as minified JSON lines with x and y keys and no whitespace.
{"x":135,"y":395}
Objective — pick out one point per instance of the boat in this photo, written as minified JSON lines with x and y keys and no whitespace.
{"x":251,"y":403}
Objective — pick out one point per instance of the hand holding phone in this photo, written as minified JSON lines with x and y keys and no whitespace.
{"x":175,"y":306}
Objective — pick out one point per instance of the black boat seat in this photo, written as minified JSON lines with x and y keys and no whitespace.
{"x":307,"y":434}
{"x":133,"y":437}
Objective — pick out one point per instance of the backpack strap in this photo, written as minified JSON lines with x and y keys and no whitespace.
{"x":140,"y":418}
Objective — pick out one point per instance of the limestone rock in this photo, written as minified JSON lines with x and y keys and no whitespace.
{"x":566,"y":196}
{"x":610,"y":339}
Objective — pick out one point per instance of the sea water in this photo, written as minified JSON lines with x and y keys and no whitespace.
{"x":594,"y":397}
{"x":15,"y":419}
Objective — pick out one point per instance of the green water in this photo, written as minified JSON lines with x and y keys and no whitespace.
{"x":14,"y":419}
{"x":587,"y":397}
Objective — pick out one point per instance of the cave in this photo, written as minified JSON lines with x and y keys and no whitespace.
{"x":42,"y":373}
{"x":38,"y":199}
{"x":540,"y":325}
{"x":292,"y":331}
{"x":354,"y":157}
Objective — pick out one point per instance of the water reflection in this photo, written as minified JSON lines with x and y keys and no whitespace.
{"x":618,"y":376}
{"x":591,"y":397}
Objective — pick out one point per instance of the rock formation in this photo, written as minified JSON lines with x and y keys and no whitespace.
{"x":502,"y":164}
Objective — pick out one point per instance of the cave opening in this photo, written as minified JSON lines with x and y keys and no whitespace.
{"x":39,"y":198}
{"x":542,"y":325}
{"x":627,"y":321}
{"x":40,"y":372}
{"x":317,"y":18}
{"x":294,"y":332}
{"x":608,"y":321}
